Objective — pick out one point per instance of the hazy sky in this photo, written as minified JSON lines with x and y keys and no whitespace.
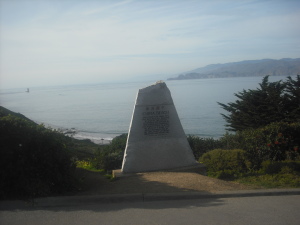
{"x":50,"y":42}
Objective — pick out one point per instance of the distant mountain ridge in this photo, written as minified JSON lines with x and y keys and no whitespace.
{"x":247,"y":68}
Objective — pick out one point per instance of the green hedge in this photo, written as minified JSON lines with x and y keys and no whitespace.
{"x":34,"y":161}
{"x":274,"y":142}
{"x":200,"y":145}
{"x":225,"y":163}
{"x":110,"y":157}
{"x":271,"y":167}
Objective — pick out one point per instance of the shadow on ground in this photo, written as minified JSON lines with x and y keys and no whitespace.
{"x":143,"y":185}
{"x":115,"y":207}
{"x":94,"y":183}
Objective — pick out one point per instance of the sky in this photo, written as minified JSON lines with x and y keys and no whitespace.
{"x":61,"y":42}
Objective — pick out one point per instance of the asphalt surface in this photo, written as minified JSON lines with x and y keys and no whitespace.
{"x":66,"y":201}
{"x":261,"y":208}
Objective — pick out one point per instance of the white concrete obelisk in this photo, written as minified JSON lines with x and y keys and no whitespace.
{"x":156,"y":139}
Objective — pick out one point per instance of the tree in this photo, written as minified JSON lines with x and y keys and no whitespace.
{"x":293,"y":99}
{"x":271,"y":102}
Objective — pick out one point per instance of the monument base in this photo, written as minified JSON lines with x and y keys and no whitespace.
{"x":197,"y":168}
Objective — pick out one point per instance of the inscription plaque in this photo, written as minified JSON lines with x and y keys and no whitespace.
{"x":156,"y":123}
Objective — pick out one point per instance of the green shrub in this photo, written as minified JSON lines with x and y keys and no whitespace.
{"x":110,"y":157}
{"x":119,"y":143}
{"x":87,"y":165}
{"x":34,"y":161}
{"x":273,"y":167}
{"x":225,"y":163}
{"x":280,"y":180}
{"x":287,"y":170}
{"x":108,"y":160}
{"x":225,"y":174}
{"x":200,"y":145}
{"x":274,"y":142}
{"x":81,"y":149}
{"x":231,"y":141}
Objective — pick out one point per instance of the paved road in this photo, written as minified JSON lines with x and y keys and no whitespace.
{"x":246,"y":210}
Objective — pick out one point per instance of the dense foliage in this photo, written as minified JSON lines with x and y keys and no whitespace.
{"x":267,"y":125}
{"x":201,"y":145}
{"x":292,"y":95}
{"x":110,"y":157}
{"x":274,"y":142}
{"x":271,"y":167}
{"x":34,"y":160}
{"x":272,"y":102}
{"x":225,"y":163}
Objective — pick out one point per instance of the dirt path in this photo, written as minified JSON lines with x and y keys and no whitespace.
{"x":94,"y":183}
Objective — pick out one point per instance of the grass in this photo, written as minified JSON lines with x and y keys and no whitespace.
{"x":288,"y":180}
{"x":87,"y":165}
{"x":110,"y":177}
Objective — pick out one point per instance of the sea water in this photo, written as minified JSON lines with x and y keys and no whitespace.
{"x":102,"y":111}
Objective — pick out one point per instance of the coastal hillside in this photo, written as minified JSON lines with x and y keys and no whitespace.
{"x":6,"y":112}
{"x":35,"y":160}
{"x":287,"y":67}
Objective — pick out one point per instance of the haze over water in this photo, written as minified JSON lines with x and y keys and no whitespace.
{"x":104,"y":110}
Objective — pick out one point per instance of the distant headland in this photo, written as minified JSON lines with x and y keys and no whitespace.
{"x":248,"y":68}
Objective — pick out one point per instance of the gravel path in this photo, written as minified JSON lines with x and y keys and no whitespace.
{"x":153,"y":182}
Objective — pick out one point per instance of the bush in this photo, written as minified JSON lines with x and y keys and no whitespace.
{"x":284,"y":167}
{"x":34,"y":161}
{"x":225,"y":174}
{"x":287,"y":180}
{"x":224,"y":163}
{"x":110,"y":157}
{"x":118,"y":143}
{"x":200,"y":145}
{"x":231,"y":141}
{"x":274,"y":142}
{"x":112,"y":161}
{"x":87,"y":165}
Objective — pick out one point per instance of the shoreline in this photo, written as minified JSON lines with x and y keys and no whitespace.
{"x":102,"y":139}
{"x":97,"y":138}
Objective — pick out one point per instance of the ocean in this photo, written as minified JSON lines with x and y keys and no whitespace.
{"x":100,"y":112}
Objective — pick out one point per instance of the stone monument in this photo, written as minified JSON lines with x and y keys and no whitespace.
{"x":156,"y":139}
